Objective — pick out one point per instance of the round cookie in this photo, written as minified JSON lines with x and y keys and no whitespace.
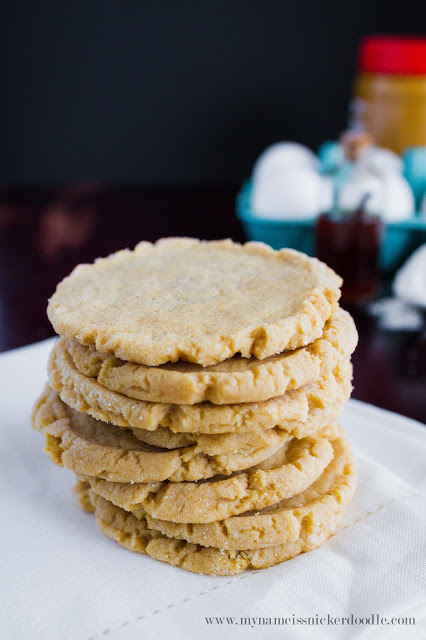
{"x":232,"y":381}
{"x":85,"y":445}
{"x":271,"y":525}
{"x":185,"y":299}
{"x":213,"y":444}
{"x":308,"y":527}
{"x":289,"y":411}
{"x":291,"y":470}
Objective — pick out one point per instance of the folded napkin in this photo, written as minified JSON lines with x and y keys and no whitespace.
{"x":62,"y":578}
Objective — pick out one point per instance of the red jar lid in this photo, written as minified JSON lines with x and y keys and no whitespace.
{"x":402,"y":55}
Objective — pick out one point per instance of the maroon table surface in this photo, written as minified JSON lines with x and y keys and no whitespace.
{"x":44,"y":233}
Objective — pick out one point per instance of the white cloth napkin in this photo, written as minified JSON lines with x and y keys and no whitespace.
{"x":61,"y":578}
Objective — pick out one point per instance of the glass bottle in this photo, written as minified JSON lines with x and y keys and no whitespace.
{"x":349,"y":242}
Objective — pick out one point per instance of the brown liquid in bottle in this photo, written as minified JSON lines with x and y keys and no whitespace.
{"x":350,"y":245}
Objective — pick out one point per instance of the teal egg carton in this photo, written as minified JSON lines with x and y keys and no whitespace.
{"x":399,"y":238}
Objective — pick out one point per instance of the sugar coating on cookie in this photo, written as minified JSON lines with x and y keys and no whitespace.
{"x":204,"y":302}
{"x":83,"y":444}
{"x":234,"y":380}
{"x":264,"y":527}
{"x":285,"y":473}
{"x":298,"y":525}
{"x":290,"y":411}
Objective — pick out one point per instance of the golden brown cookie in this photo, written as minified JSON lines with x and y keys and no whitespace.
{"x":305,"y":523}
{"x":185,"y":299}
{"x":289,"y":411}
{"x":85,"y":445}
{"x":289,"y":471}
{"x":232,"y":381}
{"x":213,"y":444}
{"x":271,"y":525}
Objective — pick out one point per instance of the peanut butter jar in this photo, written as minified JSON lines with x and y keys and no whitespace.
{"x":390,"y":91}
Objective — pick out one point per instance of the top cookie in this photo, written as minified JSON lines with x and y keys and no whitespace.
{"x":197,"y":301}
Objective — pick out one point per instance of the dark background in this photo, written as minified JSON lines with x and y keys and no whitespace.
{"x":184,"y":92}
{"x":126,"y":120}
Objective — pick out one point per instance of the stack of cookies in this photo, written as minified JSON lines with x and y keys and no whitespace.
{"x":194,"y":392}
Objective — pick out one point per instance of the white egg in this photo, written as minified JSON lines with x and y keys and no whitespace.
{"x":398,"y":199}
{"x":280,"y":158}
{"x":299,"y":193}
{"x":390,"y":196}
{"x":353,"y":191}
{"x":380,"y":161}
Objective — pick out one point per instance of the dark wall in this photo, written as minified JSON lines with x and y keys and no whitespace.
{"x":175,"y":91}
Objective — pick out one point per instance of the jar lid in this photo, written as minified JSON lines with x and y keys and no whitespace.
{"x":402,"y":55}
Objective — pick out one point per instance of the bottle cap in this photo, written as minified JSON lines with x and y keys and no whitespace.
{"x":401,"y":55}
